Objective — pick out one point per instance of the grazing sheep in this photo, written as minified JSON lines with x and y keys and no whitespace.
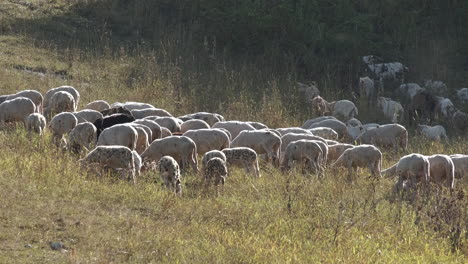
{"x":193,"y":124}
{"x":262,"y":141}
{"x":460,"y":122}
{"x":392,"y":110}
{"x":409,"y":90}
{"x":120,"y":135}
{"x":165,"y":132}
{"x":35,"y":96}
{"x":88,"y":115}
{"x":156,"y":131}
{"x":138,"y":163}
{"x":461,"y":165}
{"x":171,"y":123}
{"x":445,"y":107}
{"x":170,"y":174}
{"x":62,"y":124}
{"x":463,"y":94}
{"x":341,"y":109}
{"x":297,"y":130}
{"x":16,"y":110}
{"x":216,"y":171}
{"x":436,"y":87}
{"x":393,"y":135}
{"x":290,"y":137}
{"x":98,"y":105}
{"x":133,"y":105}
{"x":336,"y":125}
{"x":413,"y":167}
{"x":208,"y":139}
{"x":243,"y":156}
{"x":36,"y":122}
{"x":390,"y":74}
{"x":181,"y":148}
{"x":3,"y":98}
{"x":69,"y":89}
{"x":116,"y":110}
{"x":361,"y":156}
{"x":335,"y":151}
{"x":116,"y":157}
{"x":306,"y":152}
{"x":355,"y":131}
{"x":149,"y":133}
{"x":423,"y":105}
{"x":442,"y":171}
{"x":82,"y":135}
{"x":210,"y":118}
{"x":109,"y":121}
{"x":257,"y":125}
{"x":60,"y":102}
{"x":368,"y":90}
{"x":234,"y":127}
{"x":310,"y":122}
{"x":353,"y":122}
{"x":142,"y":113}
{"x":142,"y":142}
{"x":212,"y":154}
{"x":324,"y":132}
{"x":435,"y":133}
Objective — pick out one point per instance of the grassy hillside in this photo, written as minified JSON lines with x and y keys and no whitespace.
{"x":278,"y":218}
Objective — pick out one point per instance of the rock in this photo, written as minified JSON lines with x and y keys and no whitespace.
{"x":57,"y":245}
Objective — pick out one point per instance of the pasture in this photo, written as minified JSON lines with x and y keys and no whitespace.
{"x":279,"y":218}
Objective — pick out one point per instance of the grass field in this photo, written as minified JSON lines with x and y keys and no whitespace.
{"x":279,"y":218}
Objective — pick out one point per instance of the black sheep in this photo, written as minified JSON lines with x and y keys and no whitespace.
{"x":108,"y":121}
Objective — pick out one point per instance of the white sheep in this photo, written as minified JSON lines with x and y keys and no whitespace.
{"x":149,"y":133}
{"x":442,"y":170}
{"x":208,"y":139}
{"x":445,"y":107}
{"x":120,"y":135}
{"x":296,"y":130}
{"x":193,"y":124}
{"x":409,"y":90}
{"x":138,"y":163}
{"x":116,"y":157}
{"x":170,"y":173}
{"x":461,"y":165}
{"x":142,"y":113}
{"x":155,"y":128}
{"x":88,"y":115}
{"x":36,"y":122}
{"x":212,"y":154}
{"x":367,"y":89}
{"x":69,"y":89}
{"x":435,"y":87}
{"x":306,"y":152}
{"x":344,"y":109}
{"x":335,"y":151}
{"x":16,"y":110}
{"x":181,"y":148}
{"x":463,"y":94}
{"x":435,"y":133}
{"x":324,"y":132}
{"x":413,"y":167}
{"x":353,"y":122}
{"x":262,"y":141}
{"x":242,"y":156}
{"x":35,"y":96}
{"x":290,"y":137}
{"x":361,"y":156}
{"x":82,"y":135}
{"x":60,"y":101}
{"x":392,"y":135}
{"x":171,"y":123}
{"x":392,"y":110}
{"x":98,"y":105}
{"x":334,"y":124}
{"x":210,"y":118}
{"x":142,"y":140}
{"x":257,"y":125}
{"x":133,"y":105}
{"x":310,"y":122}
{"x":165,"y":132}
{"x":234,"y":127}
{"x":60,"y":125}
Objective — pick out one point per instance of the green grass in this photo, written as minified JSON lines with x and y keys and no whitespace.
{"x":279,"y":218}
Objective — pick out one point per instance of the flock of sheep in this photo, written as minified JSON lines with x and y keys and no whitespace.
{"x":132,"y":137}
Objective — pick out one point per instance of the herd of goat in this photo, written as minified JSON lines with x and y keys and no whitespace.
{"x":132,"y":137}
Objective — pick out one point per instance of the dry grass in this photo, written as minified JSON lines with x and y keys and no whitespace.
{"x":277,"y":218}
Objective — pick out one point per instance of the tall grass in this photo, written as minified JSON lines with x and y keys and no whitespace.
{"x":280,"y":218}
